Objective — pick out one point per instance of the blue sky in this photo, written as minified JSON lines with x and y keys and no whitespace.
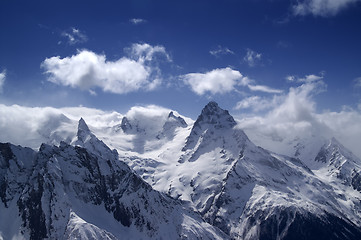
{"x":247,"y":55}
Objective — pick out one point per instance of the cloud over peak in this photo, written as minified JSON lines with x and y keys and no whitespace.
{"x":87,"y":70}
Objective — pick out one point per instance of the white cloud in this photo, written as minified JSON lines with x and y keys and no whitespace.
{"x":220,"y":80}
{"x":305,"y":79}
{"x":87,"y":70}
{"x":263,"y":88}
{"x":221,"y":51}
{"x":145,"y":52}
{"x":32,"y":126}
{"x":137,"y":21}
{"x":294,"y":116}
{"x":291,"y":78}
{"x":74,"y":36}
{"x":252,"y":58}
{"x":322,"y":8}
{"x":2,"y":80}
{"x":256,"y":103}
{"x":150,"y":117}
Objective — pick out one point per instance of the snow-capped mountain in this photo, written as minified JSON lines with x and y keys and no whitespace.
{"x":335,"y":163}
{"x":249,"y":192}
{"x":85,"y":192}
{"x":171,"y":177}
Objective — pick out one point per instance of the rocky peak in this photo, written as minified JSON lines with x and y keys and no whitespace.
{"x":180,"y":121}
{"x":83,"y":130}
{"x":333,"y":149}
{"x":214,"y":115}
{"x":125,"y":125}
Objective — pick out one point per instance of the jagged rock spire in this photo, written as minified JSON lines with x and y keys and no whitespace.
{"x":83,"y":130}
{"x":213,"y":114}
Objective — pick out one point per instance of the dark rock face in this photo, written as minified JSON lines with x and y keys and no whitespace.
{"x":30,"y":208}
{"x":125,"y":125}
{"x":326,"y":227}
{"x":356,"y":181}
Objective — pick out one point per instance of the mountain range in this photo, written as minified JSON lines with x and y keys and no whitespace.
{"x":169,"y":177}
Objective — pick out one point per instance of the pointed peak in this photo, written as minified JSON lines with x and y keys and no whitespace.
{"x":126,"y":125}
{"x":83,"y":130}
{"x":171,"y":115}
{"x":174,"y":121}
{"x":211,"y":106}
{"x":82,"y":125}
{"x":213,"y":114}
{"x":334,"y":141}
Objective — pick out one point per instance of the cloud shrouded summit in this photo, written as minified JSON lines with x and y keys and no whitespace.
{"x":87,"y":70}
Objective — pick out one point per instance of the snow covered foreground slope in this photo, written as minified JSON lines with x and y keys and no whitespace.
{"x":85,"y":192}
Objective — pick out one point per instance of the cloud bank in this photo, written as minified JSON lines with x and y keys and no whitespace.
{"x":87,"y":70}
{"x":294,"y":117}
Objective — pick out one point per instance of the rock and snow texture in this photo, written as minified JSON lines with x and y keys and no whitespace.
{"x":249,"y":192}
{"x":85,"y":192}
{"x":83,"y":189}
{"x":335,"y":163}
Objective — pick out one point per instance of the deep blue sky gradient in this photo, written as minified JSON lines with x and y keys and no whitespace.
{"x":290,"y":45}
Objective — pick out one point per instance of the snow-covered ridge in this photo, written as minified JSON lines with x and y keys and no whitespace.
{"x":240,"y":190}
{"x":85,"y":192}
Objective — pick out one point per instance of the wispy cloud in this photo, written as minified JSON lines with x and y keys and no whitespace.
{"x":252,"y":58}
{"x":305,"y":79}
{"x":324,"y":8}
{"x":87,"y":70}
{"x":145,"y":52}
{"x":219,"y":51}
{"x":256,"y":103}
{"x":2,"y":80}
{"x":74,"y":36}
{"x":263,"y":88}
{"x":137,"y":21}
{"x":310,"y":86}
